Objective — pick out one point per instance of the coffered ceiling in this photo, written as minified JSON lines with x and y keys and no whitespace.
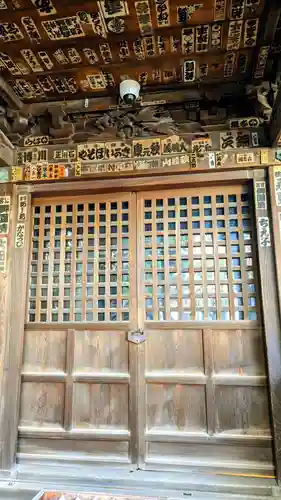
{"x":68,"y":49}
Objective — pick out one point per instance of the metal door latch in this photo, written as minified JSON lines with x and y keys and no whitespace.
{"x":137,"y":336}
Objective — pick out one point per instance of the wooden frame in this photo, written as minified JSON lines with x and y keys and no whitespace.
{"x":15,"y":331}
{"x":19,"y":278}
{"x":276,"y":223}
{"x":5,"y":295}
{"x":139,"y":183}
{"x":271,"y":314}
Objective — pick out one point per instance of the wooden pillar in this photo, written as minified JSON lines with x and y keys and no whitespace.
{"x":15,"y":304}
{"x":275,"y":199}
{"x":6,"y":215}
{"x":270,"y":306}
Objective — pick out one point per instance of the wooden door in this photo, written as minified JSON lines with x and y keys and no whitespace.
{"x":203,"y":383}
{"x":78,"y":397}
{"x":180,"y":265}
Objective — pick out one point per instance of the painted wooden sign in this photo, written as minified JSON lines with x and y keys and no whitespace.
{"x":36,"y":140}
{"x":264,"y":232}
{"x":4,"y":214}
{"x":3,"y":254}
{"x":235,"y":139}
{"x":277,"y":185}
{"x":20,"y":235}
{"x":260,"y":195}
{"x":54,"y":159}
{"x":22,"y":207}
{"x":169,"y":155}
{"x":245,"y":158}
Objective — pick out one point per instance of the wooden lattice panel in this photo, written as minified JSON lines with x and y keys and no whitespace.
{"x":198,"y":254}
{"x":80,"y":261}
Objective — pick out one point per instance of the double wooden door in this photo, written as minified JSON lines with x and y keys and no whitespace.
{"x":144,"y":343}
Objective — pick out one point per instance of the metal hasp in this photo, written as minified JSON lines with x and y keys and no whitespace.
{"x":137,"y":336}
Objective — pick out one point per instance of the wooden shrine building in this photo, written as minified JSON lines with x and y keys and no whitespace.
{"x":140,"y":247}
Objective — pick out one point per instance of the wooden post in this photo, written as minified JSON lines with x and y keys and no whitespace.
{"x":14,"y":324}
{"x":275,"y":200}
{"x":7,"y":214}
{"x":271,"y":311}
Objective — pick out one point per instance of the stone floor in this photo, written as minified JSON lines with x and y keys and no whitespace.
{"x":89,"y":496}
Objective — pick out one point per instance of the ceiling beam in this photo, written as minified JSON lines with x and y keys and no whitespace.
{"x":149,"y":92}
{"x":269,"y":21}
{"x":92,"y":40}
{"x":9,"y":96}
{"x":167,"y":62}
{"x":151,"y":96}
{"x":274,"y":12}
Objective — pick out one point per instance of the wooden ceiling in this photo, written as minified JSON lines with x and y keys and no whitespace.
{"x":68,"y":49}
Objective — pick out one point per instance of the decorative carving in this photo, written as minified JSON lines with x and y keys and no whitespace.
{"x":264,"y":95}
{"x":76,"y":121}
{"x":79,"y":126}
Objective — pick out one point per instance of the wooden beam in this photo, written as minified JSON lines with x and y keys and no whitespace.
{"x":92,"y":40}
{"x":273,"y":12}
{"x":7,"y":93}
{"x":107,"y":102}
{"x":275,"y":201}
{"x":157,"y":61}
{"x":268,"y":24}
{"x":149,"y":95}
{"x":271,"y":310}
{"x":269,"y":21}
{"x":15,"y":329}
{"x":139,"y":183}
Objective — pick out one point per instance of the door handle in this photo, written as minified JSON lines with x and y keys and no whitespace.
{"x":137,"y":336}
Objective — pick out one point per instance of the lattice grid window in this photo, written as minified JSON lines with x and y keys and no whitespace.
{"x":199,"y":258}
{"x":80,"y":265}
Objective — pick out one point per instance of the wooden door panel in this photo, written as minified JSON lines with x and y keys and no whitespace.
{"x":44,"y":351}
{"x":79,"y":371}
{"x":176,"y":407}
{"x":75,"y":451}
{"x":101,"y":351}
{"x":89,"y":399}
{"x":42,"y":404}
{"x":174,"y":351}
{"x":84,"y":399}
{"x":100,"y":406}
{"x":224,"y":411}
{"x":238,"y":352}
{"x":204,"y":368}
{"x":242,"y":410}
{"x":217,"y":457}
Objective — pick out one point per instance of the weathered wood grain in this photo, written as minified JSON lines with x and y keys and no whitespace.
{"x":15,"y":334}
{"x":271,"y":320}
